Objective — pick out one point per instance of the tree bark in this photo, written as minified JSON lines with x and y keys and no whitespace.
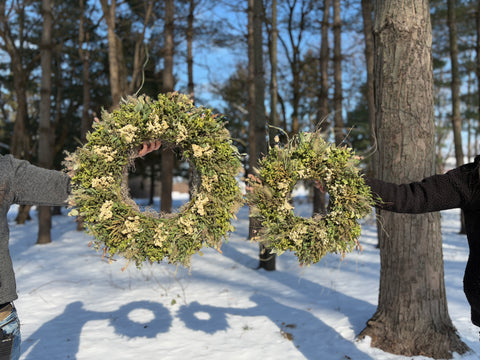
{"x":168,"y":158}
{"x":45,"y":148}
{"x":477,"y":50}
{"x":323,"y":123}
{"x":109,"y":12}
{"x":367,"y":11}
{"x":455,"y":83}
{"x":273,"y":72}
{"x":85,"y":58}
{"x":190,"y":32}
{"x":412,"y":316}
{"x":337,"y":69}
{"x":455,"y":86}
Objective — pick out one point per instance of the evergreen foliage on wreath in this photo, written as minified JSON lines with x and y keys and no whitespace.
{"x":102,"y":200}
{"x":308,"y":157}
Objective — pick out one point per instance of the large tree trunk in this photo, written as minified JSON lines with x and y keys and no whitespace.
{"x":45,"y":148}
{"x":337,"y":67}
{"x":323,"y":124}
{"x":168,"y":158}
{"x":412,"y":316}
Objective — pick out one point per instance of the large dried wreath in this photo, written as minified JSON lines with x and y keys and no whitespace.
{"x":101,"y":197}
{"x":308,"y":157}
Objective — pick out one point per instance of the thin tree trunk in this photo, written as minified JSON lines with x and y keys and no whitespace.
{"x":337,"y":67}
{"x":455,"y":83}
{"x":323,"y":124}
{"x":412,"y":316}
{"x":45,"y":157}
{"x":190,"y":31}
{"x":367,"y":11}
{"x":168,"y":158}
{"x":477,"y":48}
{"x":109,"y":12}
{"x":252,"y":161}
{"x":85,"y":58}
{"x":273,"y":72}
{"x":455,"y":86}
{"x":267,"y":259}
{"x":84,"y":54}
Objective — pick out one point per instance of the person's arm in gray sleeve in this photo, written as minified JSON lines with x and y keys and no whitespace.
{"x":32,"y":185}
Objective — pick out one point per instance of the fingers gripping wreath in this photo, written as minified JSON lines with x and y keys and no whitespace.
{"x":102,"y":199}
{"x":308,"y":157}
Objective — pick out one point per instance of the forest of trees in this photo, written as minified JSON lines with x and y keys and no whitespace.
{"x":296,"y":65}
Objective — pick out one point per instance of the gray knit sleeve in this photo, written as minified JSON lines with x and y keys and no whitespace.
{"x":32,"y":185}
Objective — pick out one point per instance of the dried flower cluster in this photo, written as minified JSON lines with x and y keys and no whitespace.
{"x":100,"y":198}
{"x":308,"y":157}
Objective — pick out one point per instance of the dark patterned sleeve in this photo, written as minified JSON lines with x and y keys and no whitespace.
{"x":457,"y":188}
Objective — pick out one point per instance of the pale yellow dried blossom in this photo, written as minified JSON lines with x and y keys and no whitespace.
{"x":199,"y":151}
{"x":160,"y":235}
{"x":132,"y":226}
{"x":128,"y":132}
{"x":200,"y":204}
{"x":156,"y":127}
{"x":209,"y":182}
{"x":182,"y":133}
{"x":103,"y":182}
{"x":188,"y":225}
{"x":298,"y":233}
{"x":106,"y":151}
{"x":106,"y":210}
{"x":286,"y":206}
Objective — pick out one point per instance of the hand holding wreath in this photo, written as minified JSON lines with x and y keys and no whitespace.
{"x":101,"y":198}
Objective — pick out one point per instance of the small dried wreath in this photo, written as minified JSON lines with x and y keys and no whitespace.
{"x":308,"y":157}
{"x":102,"y":199}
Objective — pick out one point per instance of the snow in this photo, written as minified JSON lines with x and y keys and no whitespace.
{"x":74,"y":305}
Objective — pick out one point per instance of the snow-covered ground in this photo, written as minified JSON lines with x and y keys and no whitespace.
{"x":73,"y":305}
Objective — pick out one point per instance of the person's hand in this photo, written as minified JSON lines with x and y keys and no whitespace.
{"x":253,"y":179}
{"x":318,"y":184}
{"x":148,"y":147}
